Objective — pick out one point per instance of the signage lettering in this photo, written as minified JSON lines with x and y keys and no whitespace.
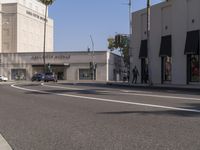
{"x":54,"y":57}
{"x":35,"y":15}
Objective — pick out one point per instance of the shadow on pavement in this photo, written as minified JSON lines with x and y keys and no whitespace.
{"x":169,"y":90}
{"x":86,"y":92}
{"x":194,"y":106}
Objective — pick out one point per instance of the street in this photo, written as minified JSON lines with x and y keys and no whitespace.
{"x":63,"y":116}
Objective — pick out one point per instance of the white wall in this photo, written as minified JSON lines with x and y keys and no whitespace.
{"x":24,"y":31}
{"x":76,"y":60}
{"x":31,"y":4}
{"x":173,"y":17}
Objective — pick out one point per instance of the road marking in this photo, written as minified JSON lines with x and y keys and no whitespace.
{"x":61,"y":87}
{"x":3,"y":144}
{"x":110,"y":100}
{"x":145,"y":94}
{"x":163,"y":96}
{"x":70,"y":88}
{"x":134,"y":91}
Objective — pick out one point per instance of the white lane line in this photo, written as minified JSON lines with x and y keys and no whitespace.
{"x":3,"y":144}
{"x":134,"y":91}
{"x":163,"y":96}
{"x":110,"y":100}
{"x":61,"y":87}
{"x":143,"y":94}
{"x":125,"y":91}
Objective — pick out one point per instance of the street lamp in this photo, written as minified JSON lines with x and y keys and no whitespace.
{"x":130,"y":35}
{"x":130,"y":18}
{"x":93,"y":69}
{"x":148,"y":40}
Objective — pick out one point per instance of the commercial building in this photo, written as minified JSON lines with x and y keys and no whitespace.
{"x":69,"y":66}
{"x":21,"y":48}
{"x":22,"y":27}
{"x":174,"y":54}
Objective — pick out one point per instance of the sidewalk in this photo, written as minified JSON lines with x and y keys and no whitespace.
{"x":156,"y":86}
{"x":195,"y":87}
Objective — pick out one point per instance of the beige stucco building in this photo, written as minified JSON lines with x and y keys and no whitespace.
{"x":21,"y":48}
{"x":174,"y":53}
{"x":69,"y":66}
{"x":22,"y":27}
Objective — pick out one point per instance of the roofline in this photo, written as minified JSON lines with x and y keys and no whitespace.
{"x":57,"y":52}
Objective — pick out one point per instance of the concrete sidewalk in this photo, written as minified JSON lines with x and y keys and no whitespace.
{"x":156,"y":86}
{"x":195,"y":87}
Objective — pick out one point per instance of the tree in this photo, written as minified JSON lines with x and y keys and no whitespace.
{"x":46,"y":3}
{"x":121,"y":43}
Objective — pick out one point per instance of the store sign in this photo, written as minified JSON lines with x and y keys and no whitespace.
{"x":51,"y":57}
{"x":35,"y":15}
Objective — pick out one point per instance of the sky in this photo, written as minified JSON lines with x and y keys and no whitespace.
{"x":76,"y":20}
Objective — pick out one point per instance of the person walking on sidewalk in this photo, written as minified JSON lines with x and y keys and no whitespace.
{"x":135,"y":74}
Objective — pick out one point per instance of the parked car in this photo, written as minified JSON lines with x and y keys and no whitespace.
{"x":38,"y":77}
{"x":50,"y":77}
{"x":3,"y":78}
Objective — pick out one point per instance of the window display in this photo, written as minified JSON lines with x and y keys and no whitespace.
{"x":86,"y":74}
{"x":167,"y":68}
{"x":194,"y":66}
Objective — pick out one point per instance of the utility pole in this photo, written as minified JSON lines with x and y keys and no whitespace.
{"x":130,"y":35}
{"x":93,"y":70}
{"x":44,"y":46}
{"x":148,"y":40}
{"x":130,"y":18}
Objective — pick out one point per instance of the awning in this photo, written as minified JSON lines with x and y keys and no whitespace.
{"x":192,"y":42}
{"x":166,"y":46}
{"x":143,"y":49}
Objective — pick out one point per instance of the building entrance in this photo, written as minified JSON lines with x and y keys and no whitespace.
{"x":59,"y":70}
{"x":144,"y":70}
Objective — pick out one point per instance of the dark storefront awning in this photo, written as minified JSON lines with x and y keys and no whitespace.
{"x":166,"y":46}
{"x":143,"y":49}
{"x":192,"y":42}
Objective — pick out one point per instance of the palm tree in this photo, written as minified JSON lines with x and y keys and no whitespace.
{"x":46,"y":3}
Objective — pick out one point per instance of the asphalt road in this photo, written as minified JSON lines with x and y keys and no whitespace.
{"x":90,"y":117}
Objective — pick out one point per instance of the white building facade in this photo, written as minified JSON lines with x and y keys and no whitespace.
{"x":21,"y":48}
{"x":71,"y":66}
{"x":174,"y":53}
{"x":22,"y":27}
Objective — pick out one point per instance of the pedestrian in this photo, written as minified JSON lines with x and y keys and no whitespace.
{"x":135,"y":74}
{"x":128,"y":75}
{"x":146,"y":75}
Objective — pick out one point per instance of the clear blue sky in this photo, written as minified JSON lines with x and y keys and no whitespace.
{"x":76,"y":20}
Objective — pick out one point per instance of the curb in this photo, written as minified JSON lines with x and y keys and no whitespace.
{"x":157,"y":86}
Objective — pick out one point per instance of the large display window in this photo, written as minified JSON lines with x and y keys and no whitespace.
{"x":86,"y":74}
{"x":194,"y":68}
{"x":18,"y":74}
{"x":166,"y":69}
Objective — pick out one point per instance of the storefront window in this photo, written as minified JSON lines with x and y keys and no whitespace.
{"x":86,"y":74}
{"x":18,"y":74}
{"x":166,"y":68}
{"x":194,"y":68}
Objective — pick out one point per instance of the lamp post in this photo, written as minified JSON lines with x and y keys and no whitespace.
{"x":93,"y":70}
{"x":148,"y":40}
{"x":130,"y":35}
{"x":130,"y":18}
